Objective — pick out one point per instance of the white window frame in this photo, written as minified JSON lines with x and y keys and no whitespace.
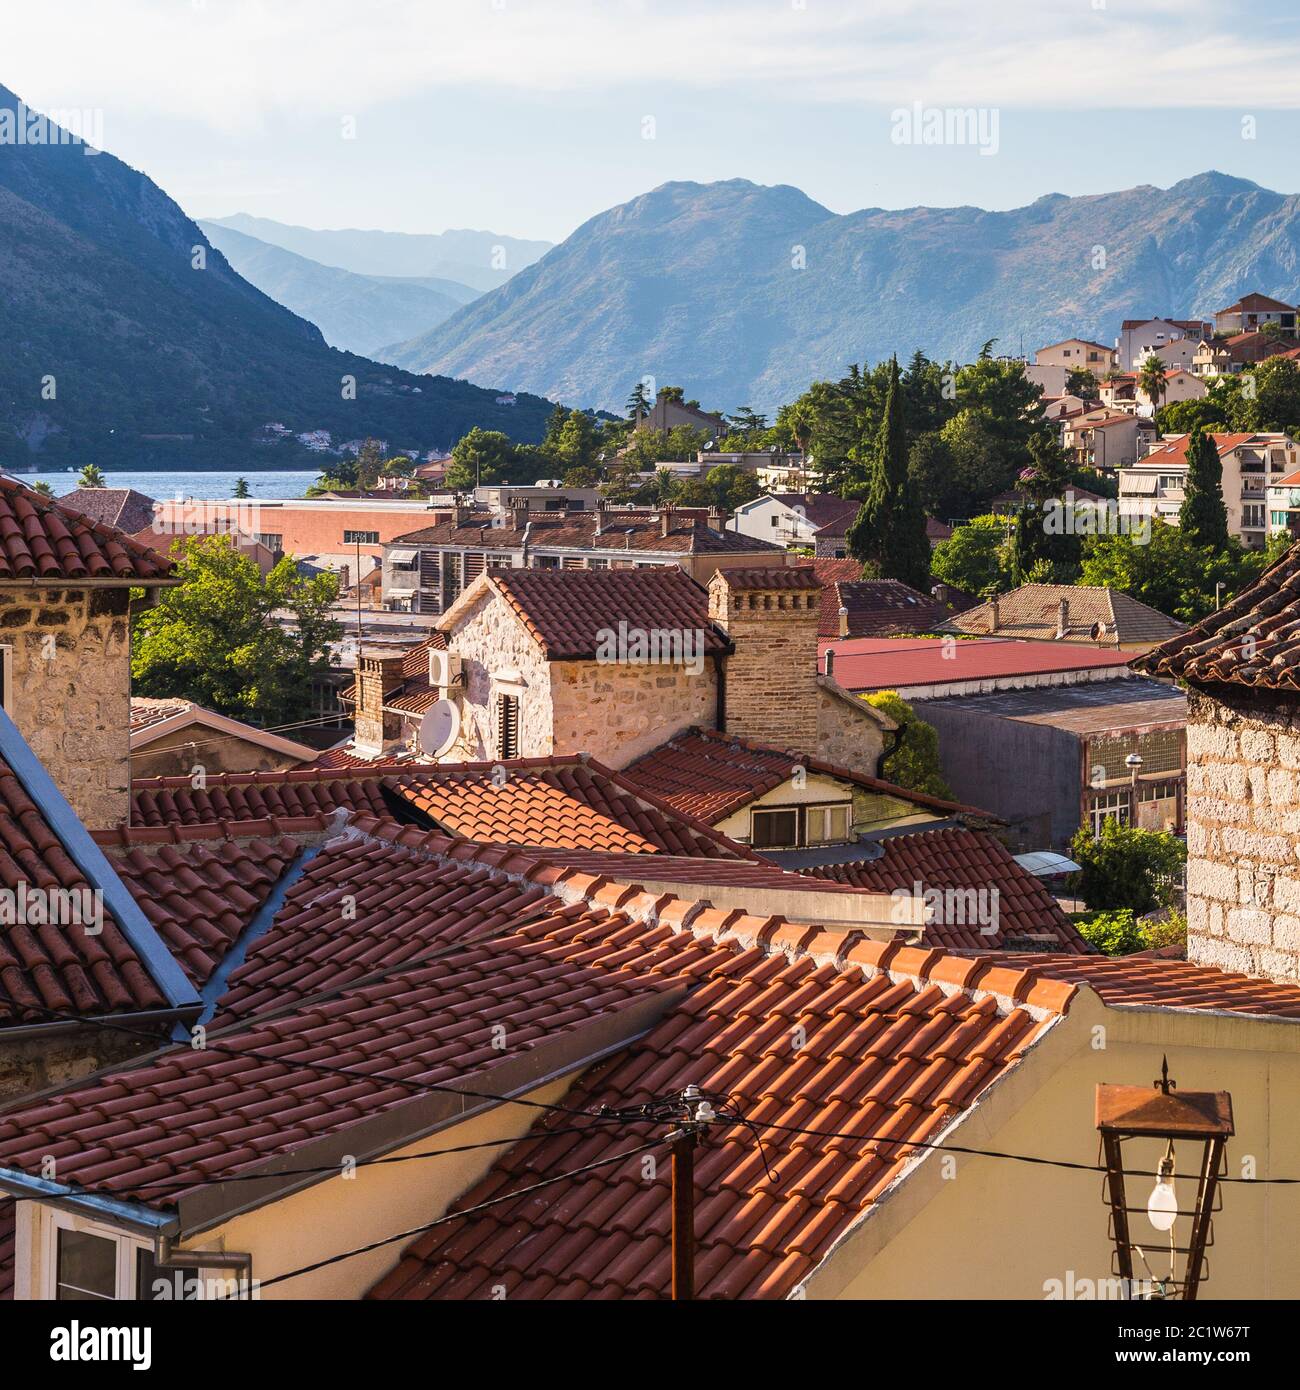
{"x":37,"y":1250}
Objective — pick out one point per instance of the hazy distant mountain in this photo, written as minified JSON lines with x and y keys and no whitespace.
{"x":701,"y":285}
{"x":128,"y":339}
{"x":356,"y":312}
{"x":482,"y":260}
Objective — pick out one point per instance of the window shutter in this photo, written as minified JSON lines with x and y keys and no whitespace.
{"x":507,"y":726}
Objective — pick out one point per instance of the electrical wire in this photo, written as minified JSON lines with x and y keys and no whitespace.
{"x":453,"y":1216}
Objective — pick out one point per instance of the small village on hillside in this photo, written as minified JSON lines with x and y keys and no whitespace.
{"x":702,"y":880}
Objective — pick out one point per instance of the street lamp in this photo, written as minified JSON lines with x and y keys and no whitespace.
{"x":1191,"y":1118}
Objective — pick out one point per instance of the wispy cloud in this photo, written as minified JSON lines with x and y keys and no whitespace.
{"x":232,"y":64}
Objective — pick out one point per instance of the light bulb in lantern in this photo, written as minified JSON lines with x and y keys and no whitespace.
{"x":1162,"y":1205}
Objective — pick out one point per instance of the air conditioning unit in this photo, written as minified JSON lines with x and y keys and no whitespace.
{"x":444,"y":671}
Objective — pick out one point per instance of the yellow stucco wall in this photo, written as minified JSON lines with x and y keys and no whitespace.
{"x":382,"y":1199}
{"x":1002,"y":1230}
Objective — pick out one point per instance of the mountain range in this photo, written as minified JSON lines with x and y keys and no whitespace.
{"x":481,"y":260}
{"x":128,"y":337}
{"x":357,"y":313}
{"x":744,"y":294}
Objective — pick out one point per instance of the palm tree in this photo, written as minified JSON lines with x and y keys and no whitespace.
{"x":1151,"y":381}
{"x":91,"y":476}
{"x":43,"y":488}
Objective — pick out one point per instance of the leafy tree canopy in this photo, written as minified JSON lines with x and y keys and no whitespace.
{"x":1126,"y":867}
{"x":914,"y":763}
{"x":214,"y":638}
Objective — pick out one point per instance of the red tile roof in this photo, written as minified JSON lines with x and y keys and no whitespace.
{"x":123,"y":508}
{"x":145,"y":712}
{"x":864,"y":663}
{"x":709,"y":775}
{"x":1026,"y":915}
{"x":201,"y":895}
{"x":60,"y":966}
{"x":43,"y":541}
{"x":1174,"y":450}
{"x":791,"y":577}
{"x":414,"y":678}
{"x":621,"y":532}
{"x":570,"y":612}
{"x":570,"y":800}
{"x":878,"y":608}
{"x":900,"y":1043}
{"x":1254,"y":639}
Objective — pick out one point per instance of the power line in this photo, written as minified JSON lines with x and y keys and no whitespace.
{"x":453,"y":1216}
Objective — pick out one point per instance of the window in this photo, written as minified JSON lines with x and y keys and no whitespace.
{"x":85,"y":1267}
{"x":507,"y":726}
{"x":1108,"y":806}
{"x":774,"y":829}
{"x":361,"y":538}
{"x":788,"y":827}
{"x":272,"y":540}
{"x":828,"y":825}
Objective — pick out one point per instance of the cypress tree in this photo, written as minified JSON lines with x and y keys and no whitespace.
{"x":1203,"y":517}
{"x":888,"y":534}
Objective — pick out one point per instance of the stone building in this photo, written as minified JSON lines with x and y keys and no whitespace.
{"x":1241,"y":666}
{"x":65,"y":646}
{"x":614,"y":662}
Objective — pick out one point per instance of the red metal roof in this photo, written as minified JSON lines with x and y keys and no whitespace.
{"x":863,"y":663}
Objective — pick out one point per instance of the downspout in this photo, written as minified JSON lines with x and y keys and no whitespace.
{"x":720,"y":693}
{"x":242,"y":1263}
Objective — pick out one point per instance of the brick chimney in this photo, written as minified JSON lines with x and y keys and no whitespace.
{"x":717,"y":520}
{"x":667,"y":515}
{"x":461,"y":513}
{"x":519,"y":512}
{"x":1062,"y":618}
{"x":377,"y":673}
{"x":772,"y":616}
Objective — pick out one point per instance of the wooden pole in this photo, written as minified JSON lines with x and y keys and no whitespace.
{"x":684,"y":1216}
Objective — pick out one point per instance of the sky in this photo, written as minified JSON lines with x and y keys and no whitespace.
{"x":527,"y":117}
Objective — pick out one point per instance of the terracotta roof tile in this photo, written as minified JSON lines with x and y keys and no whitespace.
{"x":1253,"y":640}
{"x":1033,"y":612}
{"x":709,"y":775}
{"x":201,"y":895}
{"x":570,"y":612}
{"x":1026,"y":913}
{"x":568,"y":801}
{"x":66,"y":966}
{"x":43,"y":541}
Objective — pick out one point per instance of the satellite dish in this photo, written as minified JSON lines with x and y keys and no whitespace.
{"x":440,"y":728}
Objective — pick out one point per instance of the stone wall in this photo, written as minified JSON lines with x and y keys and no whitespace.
{"x":848,"y":736}
{"x":1243,"y":833}
{"x":56,"y":1057}
{"x":71,"y":696}
{"x":500,"y":656}
{"x":771,"y":679}
{"x":618,"y":711}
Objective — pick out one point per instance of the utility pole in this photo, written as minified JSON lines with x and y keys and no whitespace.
{"x":358,"y":600}
{"x":696,"y":1113}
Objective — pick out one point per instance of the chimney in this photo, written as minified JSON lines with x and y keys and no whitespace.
{"x":519,"y":512}
{"x":602,"y":508}
{"x":844,"y":621}
{"x":461,"y":513}
{"x":666,"y":519}
{"x":995,"y":614}
{"x":830,"y":661}
{"x":717,"y":520}
{"x":1062,"y":618}
{"x":378,"y":673}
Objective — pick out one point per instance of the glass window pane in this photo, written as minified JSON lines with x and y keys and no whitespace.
{"x":775,"y":829}
{"x":87,"y":1267}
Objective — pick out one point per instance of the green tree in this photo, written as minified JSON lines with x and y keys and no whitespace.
{"x":241,"y":488}
{"x":1079,"y":381}
{"x":748,"y":424}
{"x":1203,"y":518}
{"x":914,"y":762}
{"x":43,"y":488}
{"x":91,"y":475}
{"x":215,"y":638}
{"x":370,"y":460}
{"x":1171,"y":574}
{"x":888,"y":533}
{"x":1042,"y":545}
{"x":1125,"y":867}
{"x":638,"y":403}
{"x":577,"y":443}
{"x":481,"y":457}
{"x":1151,"y":380}
{"x":976,"y":557}
{"x":1269,"y":398}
